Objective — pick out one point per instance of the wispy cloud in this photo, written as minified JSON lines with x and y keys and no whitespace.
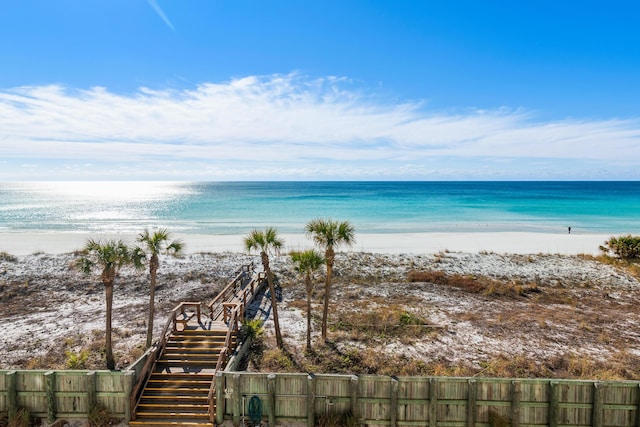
{"x":160,"y":13}
{"x":292,"y":127}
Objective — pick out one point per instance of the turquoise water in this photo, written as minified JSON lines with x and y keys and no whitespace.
{"x":373,"y":207}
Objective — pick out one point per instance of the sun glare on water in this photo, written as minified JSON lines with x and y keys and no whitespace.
{"x":113,"y":191}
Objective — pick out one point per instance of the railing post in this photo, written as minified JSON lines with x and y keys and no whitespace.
{"x":220,"y":400}
{"x":311,"y":400}
{"x":638,"y":407}
{"x":12,"y":393}
{"x":471,"y":402}
{"x":393,"y":404}
{"x":173,"y":316}
{"x":50,"y":381}
{"x":237,"y":400}
{"x":596,"y":416}
{"x":353,"y":390}
{"x":128,"y":379}
{"x":553,"y":403}
{"x":91,"y":390}
{"x":271,"y":398}
{"x":515,"y":403}
{"x":433,"y":402}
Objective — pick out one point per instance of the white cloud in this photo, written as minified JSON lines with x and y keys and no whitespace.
{"x":288,"y":127}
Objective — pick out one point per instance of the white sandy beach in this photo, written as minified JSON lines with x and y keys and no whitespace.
{"x":19,"y":243}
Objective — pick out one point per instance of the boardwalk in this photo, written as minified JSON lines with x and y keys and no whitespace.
{"x":177,"y":386}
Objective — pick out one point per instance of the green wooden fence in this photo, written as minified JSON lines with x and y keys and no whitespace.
{"x":301,"y":399}
{"x":53,"y":395}
{"x":428,"y":401}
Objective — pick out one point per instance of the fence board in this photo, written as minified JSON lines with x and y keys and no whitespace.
{"x":71,"y":396}
{"x":420,"y":401}
{"x":291,"y":392}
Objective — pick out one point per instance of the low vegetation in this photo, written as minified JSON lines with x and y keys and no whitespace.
{"x":559,"y":319}
{"x":623,"y":247}
{"x":5,"y":256}
{"x":20,"y":418}
{"x":631,"y":267}
{"x":333,"y":419}
{"x":448,"y":314}
{"x":476,"y":284}
{"x":101,"y":416}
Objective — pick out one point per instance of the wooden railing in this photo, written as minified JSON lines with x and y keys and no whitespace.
{"x":229,"y":305}
{"x":222,"y":360}
{"x":178,"y":314}
{"x":229,"y":293}
{"x":233,"y":314}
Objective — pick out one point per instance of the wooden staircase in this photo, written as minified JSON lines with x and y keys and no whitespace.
{"x":177,"y":391}
{"x":176,"y":384}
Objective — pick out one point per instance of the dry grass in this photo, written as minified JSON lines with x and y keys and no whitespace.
{"x":474,"y":284}
{"x":577,"y":325}
{"x":372,"y":323}
{"x":6,"y":256}
{"x":631,"y":267}
{"x":82,"y":352}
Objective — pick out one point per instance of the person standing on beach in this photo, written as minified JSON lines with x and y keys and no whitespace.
{"x":569,"y":230}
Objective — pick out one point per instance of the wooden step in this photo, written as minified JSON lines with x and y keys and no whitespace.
{"x":206,"y":346}
{"x":183,"y":389}
{"x":194,"y":337}
{"x":175,"y":391}
{"x":194,"y":376}
{"x":190,"y":355}
{"x":153,"y":398}
{"x":165,"y":423}
{"x":201,"y":332}
{"x":195,"y":349}
{"x":207,"y":342}
{"x":189,"y":361}
{"x":173,"y":415}
{"x":173,"y":407}
{"x":177,"y":381}
{"x":182,"y":398}
{"x":161,"y":422}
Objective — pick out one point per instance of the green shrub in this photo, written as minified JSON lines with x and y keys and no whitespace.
{"x":77,"y":360}
{"x":625,"y":247}
{"x":251,"y":329}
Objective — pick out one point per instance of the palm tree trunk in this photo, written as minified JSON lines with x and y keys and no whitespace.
{"x":309,"y":289}
{"x":274,"y":302}
{"x":329,"y":256}
{"x":111,"y":364}
{"x":153,"y":270}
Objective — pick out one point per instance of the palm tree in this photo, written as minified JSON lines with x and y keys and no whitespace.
{"x":306,"y":263}
{"x":329,"y":234}
{"x":109,"y":256}
{"x":154,"y":244}
{"x":267,"y":241}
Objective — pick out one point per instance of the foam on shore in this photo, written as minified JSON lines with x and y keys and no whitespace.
{"x":24,"y":243}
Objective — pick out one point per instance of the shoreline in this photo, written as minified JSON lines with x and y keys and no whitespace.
{"x":25,"y":243}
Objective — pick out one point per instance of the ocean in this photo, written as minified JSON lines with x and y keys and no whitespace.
{"x":372,"y":207}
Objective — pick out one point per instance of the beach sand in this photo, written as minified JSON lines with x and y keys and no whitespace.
{"x":580,"y":306}
{"x":18,"y":243}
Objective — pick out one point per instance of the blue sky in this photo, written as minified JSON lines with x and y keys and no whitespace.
{"x":362,"y":90}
